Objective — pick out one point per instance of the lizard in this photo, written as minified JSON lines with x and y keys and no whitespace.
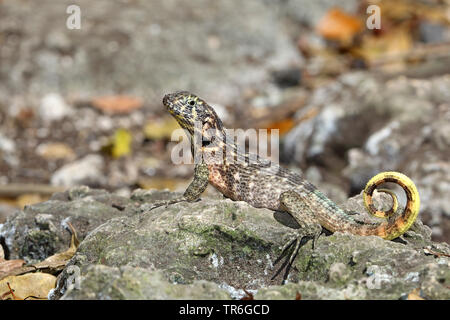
{"x":242,"y":176}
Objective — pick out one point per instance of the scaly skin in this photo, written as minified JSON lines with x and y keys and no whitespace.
{"x":263,"y":184}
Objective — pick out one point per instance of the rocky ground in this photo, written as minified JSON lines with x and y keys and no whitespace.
{"x":83,"y":108}
{"x":216,"y":249}
{"x":367,"y":125}
{"x":260,"y":64}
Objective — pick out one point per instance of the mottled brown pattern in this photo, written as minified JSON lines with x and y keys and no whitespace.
{"x":263,"y":184}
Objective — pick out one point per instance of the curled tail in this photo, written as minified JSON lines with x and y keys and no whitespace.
{"x":393,"y":228}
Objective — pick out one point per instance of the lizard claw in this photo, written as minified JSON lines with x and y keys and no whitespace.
{"x":298,"y":241}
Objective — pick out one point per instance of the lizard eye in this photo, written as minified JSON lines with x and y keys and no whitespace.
{"x":191,"y":102}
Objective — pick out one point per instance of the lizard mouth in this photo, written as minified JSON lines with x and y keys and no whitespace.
{"x":168,"y":100}
{"x":169,"y":103}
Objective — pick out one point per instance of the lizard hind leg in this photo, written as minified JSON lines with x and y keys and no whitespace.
{"x":309,"y":229}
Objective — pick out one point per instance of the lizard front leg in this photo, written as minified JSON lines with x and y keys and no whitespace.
{"x":297,"y":206}
{"x":193,"y":191}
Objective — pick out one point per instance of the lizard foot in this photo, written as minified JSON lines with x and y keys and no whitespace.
{"x":291,"y":248}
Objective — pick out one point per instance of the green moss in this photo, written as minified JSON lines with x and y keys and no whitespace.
{"x":39,"y":244}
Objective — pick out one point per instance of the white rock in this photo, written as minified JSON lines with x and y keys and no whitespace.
{"x":7,"y":145}
{"x":53,"y":107}
{"x":85,"y":171}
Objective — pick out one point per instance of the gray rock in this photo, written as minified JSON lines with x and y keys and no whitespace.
{"x":367,"y":125}
{"x":101,"y":282}
{"x":310,"y":12}
{"x":431,"y":32}
{"x":8,"y":151}
{"x":219,"y":247}
{"x":88,"y":171}
{"x":142,"y":50}
{"x":53,"y":108}
{"x":5,"y":211}
{"x":360,"y":106}
{"x":348,"y":267}
{"x":213,"y":249}
{"x":6,"y":145}
{"x":215,"y":240}
{"x":38,"y":231}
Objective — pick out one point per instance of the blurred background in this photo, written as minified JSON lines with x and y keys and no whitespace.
{"x":83,"y":106}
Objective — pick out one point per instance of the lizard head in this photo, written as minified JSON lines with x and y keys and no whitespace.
{"x":191,"y":112}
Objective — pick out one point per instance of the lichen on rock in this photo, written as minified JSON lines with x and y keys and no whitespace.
{"x":213,"y":249}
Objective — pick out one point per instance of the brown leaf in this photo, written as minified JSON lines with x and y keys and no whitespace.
{"x":283,"y":126}
{"x":401,"y":10}
{"x":36,"y":284}
{"x":18,"y":271}
{"x":117,"y":104}
{"x":161,"y":183}
{"x":29,"y":199}
{"x":298,"y":296}
{"x":415,"y":295}
{"x":52,"y":264}
{"x":386,"y":51}
{"x":8,"y":265}
{"x":287,"y":124}
{"x":248,"y":296}
{"x":338,"y":25}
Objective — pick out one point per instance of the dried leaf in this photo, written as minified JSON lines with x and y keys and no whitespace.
{"x":25,"y":115}
{"x":248,"y":296}
{"x":28,"y":199}
{"x":117,"y":104}
{"x":386,"y":50}
{"x":52,"y":264}
{"x":8,"y":265}
{"x":298,"y":296}
{"x":121,"y":145}
{"x":284,"y":126}
{"x":338,"y":25}
{"x":162,"y":183}
{"x":287,"y":124}
{"x":282,"y":119}
{"x":8,"y":201}
{"x":415,"y":295}
{"x":160,"y":128}
{"x":55,"y":151}
{"x":17,"y":271}
{"x":36,"y":285}
{"x":401,"y":10}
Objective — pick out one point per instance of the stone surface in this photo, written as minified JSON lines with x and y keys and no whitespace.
{"x":38,"y":231}
{"x":366,"y":125}
{"x":214,"y":249}
{"x":87,"y":170}
{"x":214,"y":48}
{"x":112,"y":283}
{"x":53,"y":107}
